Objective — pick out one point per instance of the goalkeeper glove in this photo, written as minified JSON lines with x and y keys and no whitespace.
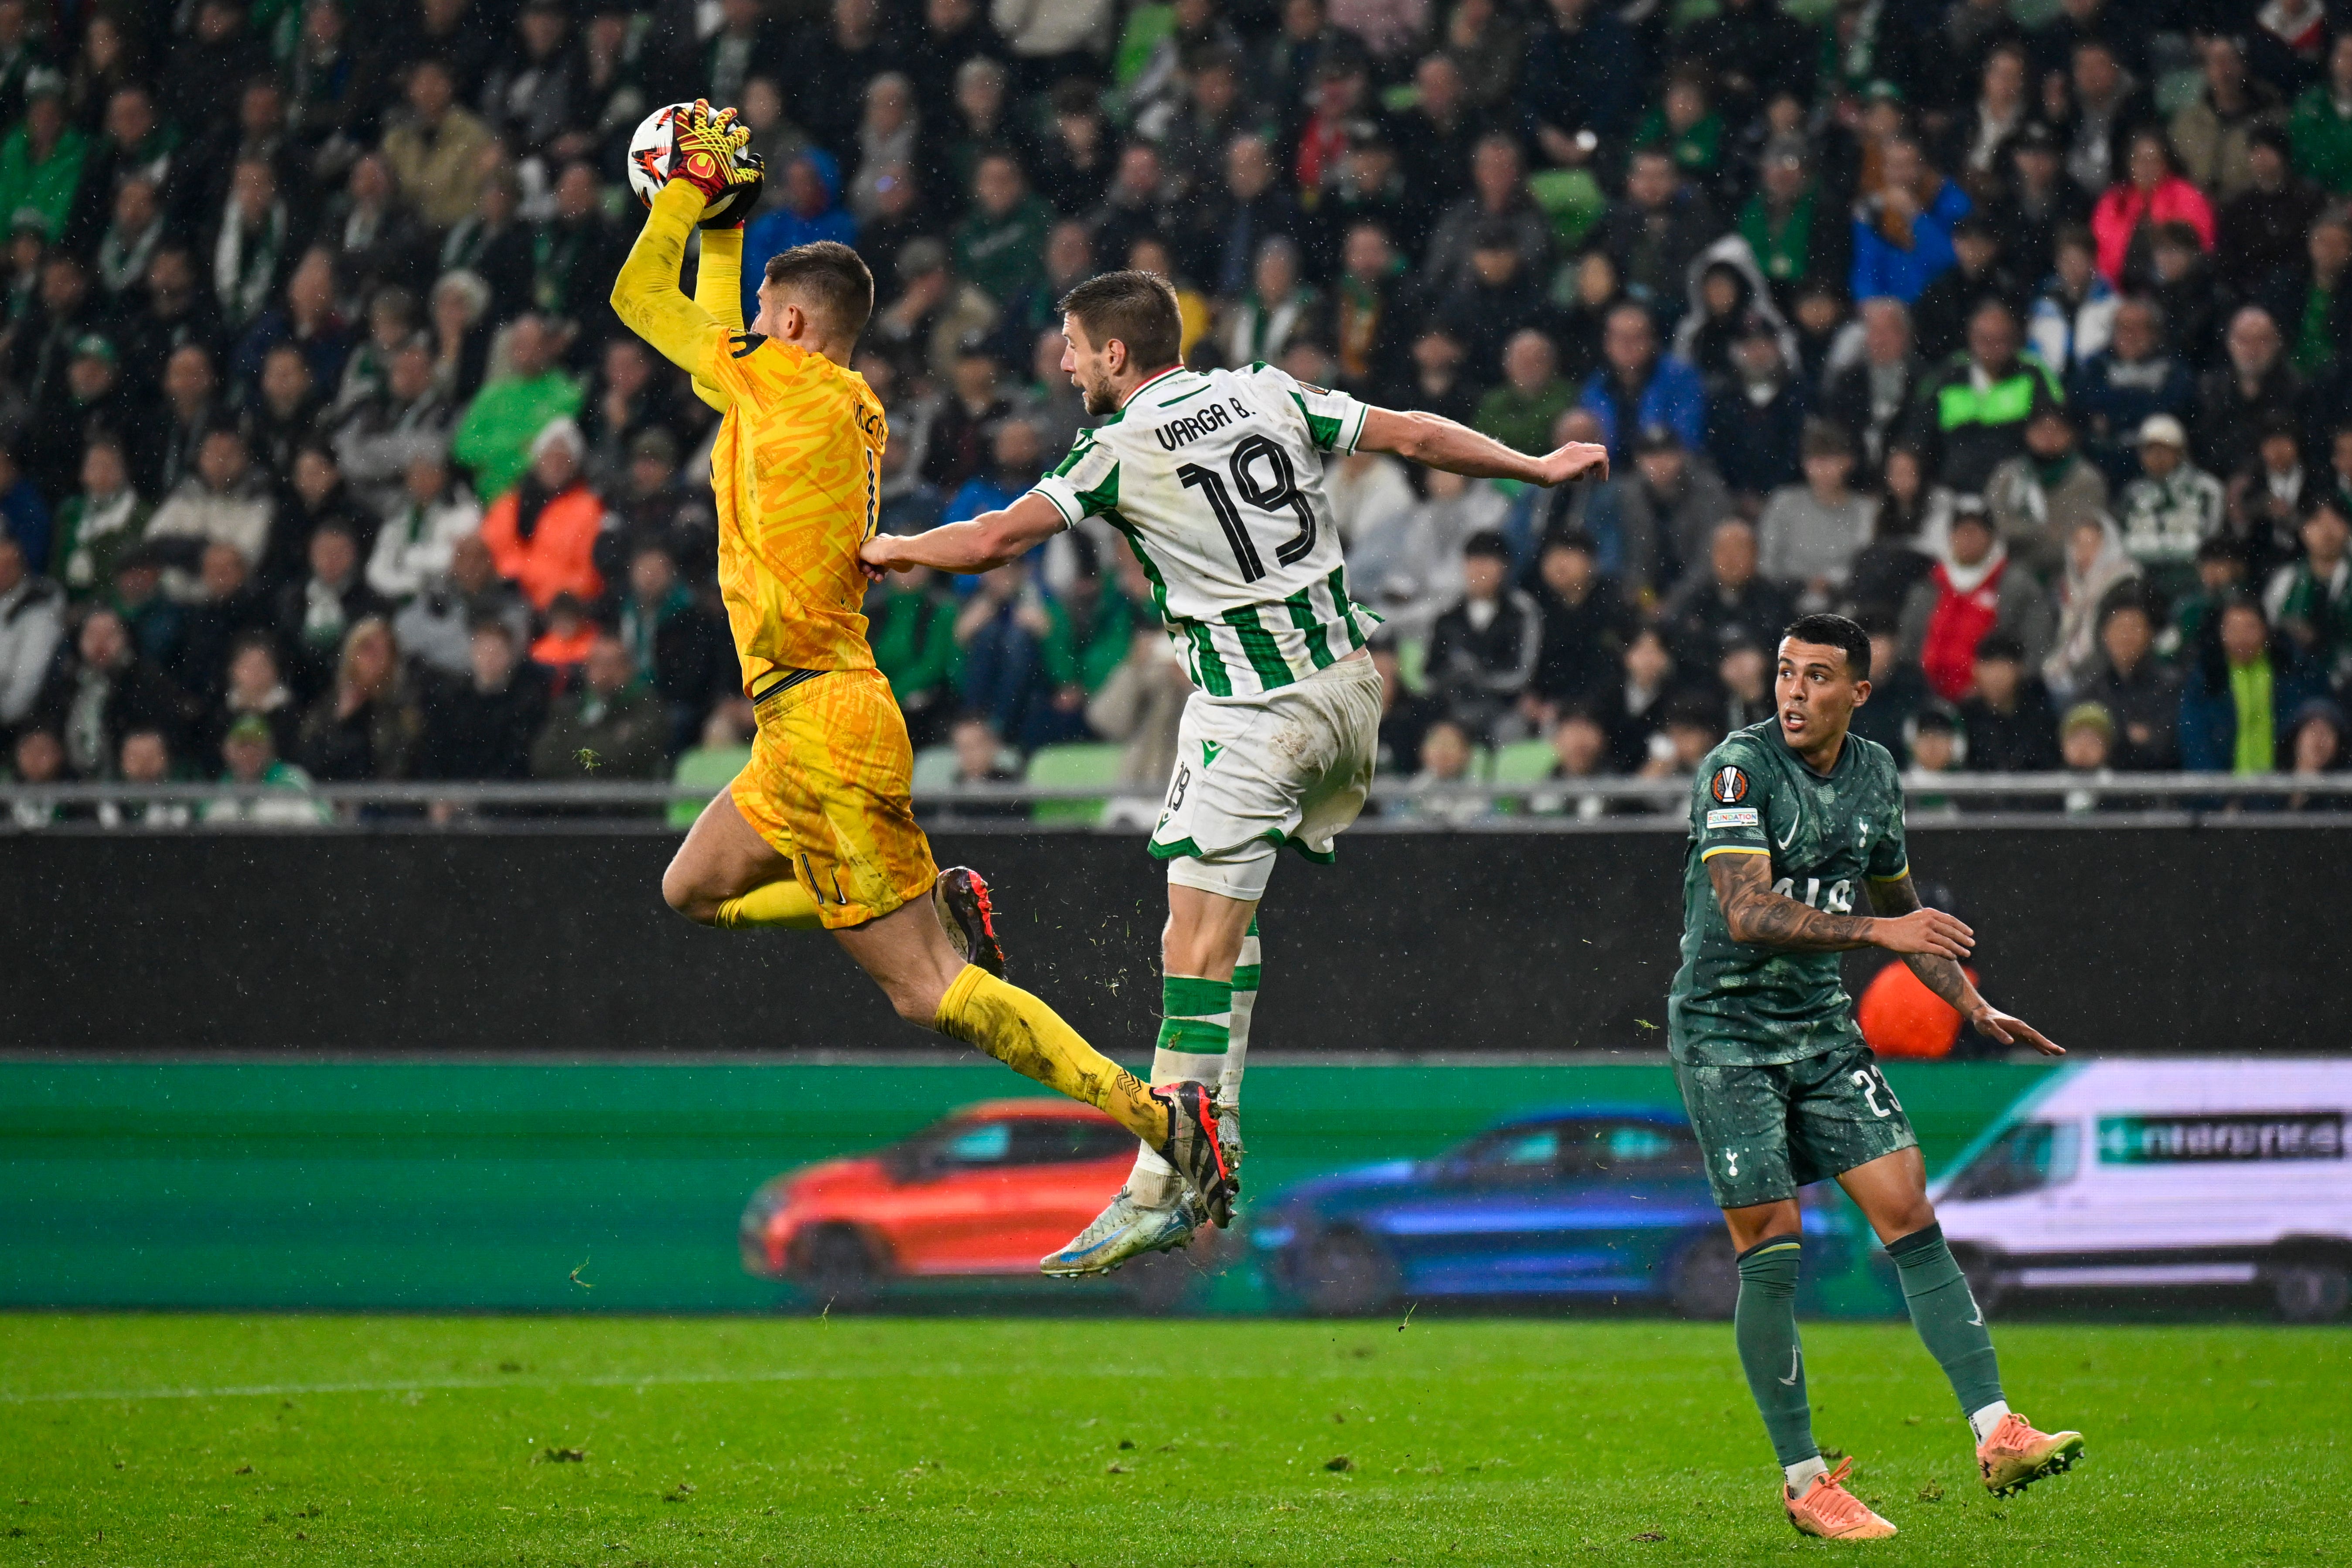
{"x":706,"y":152}
{"x":731,"y":211}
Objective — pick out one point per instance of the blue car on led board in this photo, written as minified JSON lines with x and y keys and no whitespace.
{"x":1589,"y":1201}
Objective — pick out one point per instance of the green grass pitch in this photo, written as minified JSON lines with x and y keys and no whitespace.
{"x":193,"y":1440}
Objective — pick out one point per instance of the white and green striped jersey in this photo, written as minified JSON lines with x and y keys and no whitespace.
{"x":1216,"y":479}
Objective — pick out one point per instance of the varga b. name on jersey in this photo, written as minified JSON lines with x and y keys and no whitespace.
{"x":1190,"y":427}
{"x":1216,"y":480}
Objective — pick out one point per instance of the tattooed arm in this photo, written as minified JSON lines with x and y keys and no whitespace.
{"x":1937,"y":973}
{"x":1743,"y":886}
{"x":1942,"y":975}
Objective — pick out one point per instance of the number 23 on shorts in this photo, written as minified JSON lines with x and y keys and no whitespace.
{"x":1873,"y":1083}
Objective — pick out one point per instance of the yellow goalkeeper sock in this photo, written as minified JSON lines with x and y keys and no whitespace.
{"x":1030,"y":1037}
{"x":782,"y":903}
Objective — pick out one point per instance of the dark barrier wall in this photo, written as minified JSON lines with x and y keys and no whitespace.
{"x":2219,"y":940}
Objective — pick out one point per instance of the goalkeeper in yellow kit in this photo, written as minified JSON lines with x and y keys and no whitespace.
{"x":818,"y":830}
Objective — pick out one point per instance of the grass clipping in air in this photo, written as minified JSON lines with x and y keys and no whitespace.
{"x":157,"y":1439}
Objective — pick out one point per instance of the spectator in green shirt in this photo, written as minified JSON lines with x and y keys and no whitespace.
{"x":910,"y":625}
{"x":611,"y":727}
{"x":1795,"y":233}
{"x":1001,"y":245}
{"x":2311,"y":600}
{"x":250,"y":752}
{"x":2321,"y":128}
{"x":2316,"y":304}
{"x":495,"y":436}
{"x":1686,"y":127}
{"x":2220,"y":577}
{"x":1089,"y":626}
{"x":1520,"y":413}
{"x":40,"y":162}
{"x":102,"y":524}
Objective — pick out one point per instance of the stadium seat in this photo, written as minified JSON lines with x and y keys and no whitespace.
{"x":1412,"y":661}
{"x":1571,"y":200}
{"x":935,"y":768}
{"x":1072,"y":767}
{"x":1520,"y":763}
{"x":709,"y":769}
{"x":1523,"y":763}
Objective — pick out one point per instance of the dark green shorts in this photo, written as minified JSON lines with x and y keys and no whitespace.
{"x":1768,"y":1130}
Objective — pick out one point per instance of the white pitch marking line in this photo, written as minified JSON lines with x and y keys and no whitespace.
{"x":650,"y":1380}
{"x":426,"y":1385}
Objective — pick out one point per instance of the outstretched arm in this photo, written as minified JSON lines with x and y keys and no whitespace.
{"x":1743,"y":886}
{"x":1439,"y":442}
{"x":1945,"y":977}
{"x":718,"y":288}
{"x":646,"y":297}
{"x":985,"y":542}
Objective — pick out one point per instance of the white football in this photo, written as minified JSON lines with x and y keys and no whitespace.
{"x":649,"y":152}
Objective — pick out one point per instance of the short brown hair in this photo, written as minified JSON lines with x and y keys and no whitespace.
{"x":830,"y":279}
{"x":1138,"y":309}
{"x":1823,"y":439}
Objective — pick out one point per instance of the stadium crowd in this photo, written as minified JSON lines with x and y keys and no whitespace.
{"x":2019,"y":330}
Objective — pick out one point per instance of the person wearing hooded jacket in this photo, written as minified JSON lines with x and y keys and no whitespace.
{"x":2097,"y":567}
{"x":812,"y":211}
{"x":1728,"y":294}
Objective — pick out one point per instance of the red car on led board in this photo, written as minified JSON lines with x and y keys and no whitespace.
{"x":985,"y":1192}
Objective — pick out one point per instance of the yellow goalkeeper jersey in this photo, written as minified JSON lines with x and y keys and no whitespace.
{"x":797,"y":467}
{"x":797,"y":475}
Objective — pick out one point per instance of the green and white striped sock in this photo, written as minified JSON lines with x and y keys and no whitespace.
{"x":1196,"y":1019}
{"x":1246,"y":974}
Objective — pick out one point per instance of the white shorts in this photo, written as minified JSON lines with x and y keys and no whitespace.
{"x":1253,"y":773}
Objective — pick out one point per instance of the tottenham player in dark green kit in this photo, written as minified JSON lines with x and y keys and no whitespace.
{"x":1791,"y":820}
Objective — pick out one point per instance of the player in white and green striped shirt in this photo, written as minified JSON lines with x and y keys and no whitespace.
{"x":1217,"y":480}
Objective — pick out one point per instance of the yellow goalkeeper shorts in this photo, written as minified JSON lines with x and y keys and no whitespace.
{"x":830,"y":786}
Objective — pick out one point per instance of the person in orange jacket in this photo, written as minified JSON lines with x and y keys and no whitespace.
{"x":564,"y":645}
{"x":542,"y":533}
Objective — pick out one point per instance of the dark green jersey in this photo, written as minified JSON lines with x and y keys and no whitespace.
{"x":1736,"y":1004}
